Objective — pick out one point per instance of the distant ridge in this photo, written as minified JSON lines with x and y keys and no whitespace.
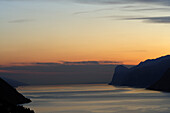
{"x":143,"y":75}
{"x":14,"y":83}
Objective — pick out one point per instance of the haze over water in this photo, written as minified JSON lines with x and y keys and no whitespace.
{"x":95,"y":98}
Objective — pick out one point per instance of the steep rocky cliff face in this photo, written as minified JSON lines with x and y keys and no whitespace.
{"x":143,"y":75}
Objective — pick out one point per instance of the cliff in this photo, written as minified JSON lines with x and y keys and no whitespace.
{"x":143,"y":75}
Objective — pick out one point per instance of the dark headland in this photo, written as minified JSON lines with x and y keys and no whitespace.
{"x":10,"y":99}
{"x":152,"y":74}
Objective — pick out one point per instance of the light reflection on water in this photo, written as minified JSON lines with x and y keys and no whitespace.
{"x":98,"y":98}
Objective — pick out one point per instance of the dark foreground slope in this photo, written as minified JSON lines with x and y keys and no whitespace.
{"x":163,"y":84}
{"x":10,"y":98}
{"x":11,"y":95}
{"x":6,"y":107}
{"x":143,"y":75}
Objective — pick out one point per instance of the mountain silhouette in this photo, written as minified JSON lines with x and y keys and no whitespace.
{"x":142,"y":75}
{"x":163,"y":84}
{"x":11,"y":95}
{"x":10,"y":99}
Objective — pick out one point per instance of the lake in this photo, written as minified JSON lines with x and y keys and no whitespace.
{"x":95,"y":98}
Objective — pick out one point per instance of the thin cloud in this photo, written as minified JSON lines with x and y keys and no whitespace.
{"x":165,"y":19}
{"x":112,"y":2}
{"x":93,"y":11}
{"x":80,"y":63}
{"x":21,"y":21}
{"x":106,"y":2}
{"x":62,"y":63}
{"x":91,"y":62}
{"x":110,"y":62}
{"x":36,"y":63}
{"x":48,"y":63}
{"x":81,"y":12}
{"x":134,"y":5}
{"x":149,"y":9}
{"x":160,"y":2}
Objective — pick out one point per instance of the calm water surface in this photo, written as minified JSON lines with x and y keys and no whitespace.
{"x":98,"y":98}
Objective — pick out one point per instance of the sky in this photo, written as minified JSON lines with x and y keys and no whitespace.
{"x":57,"y":31}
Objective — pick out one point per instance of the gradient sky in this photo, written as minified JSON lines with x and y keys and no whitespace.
{"x":127,"y":31}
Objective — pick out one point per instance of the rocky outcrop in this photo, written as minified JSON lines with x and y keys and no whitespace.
{"x":143,"y":75}
{"x":163,"y":84}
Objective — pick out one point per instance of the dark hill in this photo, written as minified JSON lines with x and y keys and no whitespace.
{"x":11,"y":95}
{"x":10,"y":98}
{"x":163,"y":84}
{"x":143,"y":75}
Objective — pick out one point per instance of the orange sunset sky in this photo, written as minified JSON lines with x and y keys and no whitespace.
{"x":129,"y":31}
